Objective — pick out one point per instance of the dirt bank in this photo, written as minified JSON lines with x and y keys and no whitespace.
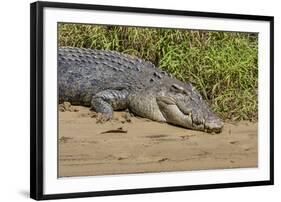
{"x":135,"y":145}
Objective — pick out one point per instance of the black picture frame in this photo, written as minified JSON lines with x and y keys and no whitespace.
{"x":36,"y":99}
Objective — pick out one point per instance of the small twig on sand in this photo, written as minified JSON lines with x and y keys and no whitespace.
{"x":162,"y":160}
{"x":118,"y":130}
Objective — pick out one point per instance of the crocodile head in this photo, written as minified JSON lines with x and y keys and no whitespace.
{"x":178,"y":104}
{"x":181,"y":104}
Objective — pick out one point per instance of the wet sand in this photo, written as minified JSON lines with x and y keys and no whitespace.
{"x":136,"y":145}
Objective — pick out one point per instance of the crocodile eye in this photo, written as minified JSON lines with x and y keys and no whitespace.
{"x":178,"y":89}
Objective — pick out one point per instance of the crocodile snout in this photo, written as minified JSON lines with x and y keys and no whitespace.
{"x":213,"y":124}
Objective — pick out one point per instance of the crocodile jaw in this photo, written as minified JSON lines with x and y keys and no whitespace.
{"x":172,"y":113}
{"x":145,"y":106}
{"x":164,"y":109}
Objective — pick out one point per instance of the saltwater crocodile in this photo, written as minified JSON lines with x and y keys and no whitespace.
{"x":108,"y":80}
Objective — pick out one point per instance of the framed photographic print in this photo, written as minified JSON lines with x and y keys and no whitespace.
{"x":136,"y":100}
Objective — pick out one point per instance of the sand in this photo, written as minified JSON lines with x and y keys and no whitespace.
{"x":136,"y":145}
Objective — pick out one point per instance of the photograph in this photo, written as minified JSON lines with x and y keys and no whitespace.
{"x":131,"y":100}
{"x":135,"y":99}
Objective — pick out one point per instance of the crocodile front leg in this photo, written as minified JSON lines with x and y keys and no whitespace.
{"x":106,"y":101}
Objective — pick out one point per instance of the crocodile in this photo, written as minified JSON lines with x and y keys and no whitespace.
{"x":107,"y":81}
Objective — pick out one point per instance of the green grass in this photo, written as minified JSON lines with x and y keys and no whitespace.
{"x":222,"y":65}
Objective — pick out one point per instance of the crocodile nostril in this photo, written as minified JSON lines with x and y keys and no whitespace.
{"x":214,"y":124}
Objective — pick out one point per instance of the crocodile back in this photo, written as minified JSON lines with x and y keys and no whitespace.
{"x":84,"y":72}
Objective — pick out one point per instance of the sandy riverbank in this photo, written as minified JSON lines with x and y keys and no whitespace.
{"x":88,"y":148}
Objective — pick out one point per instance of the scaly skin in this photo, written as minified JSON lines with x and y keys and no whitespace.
{"x":107,"y":81}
